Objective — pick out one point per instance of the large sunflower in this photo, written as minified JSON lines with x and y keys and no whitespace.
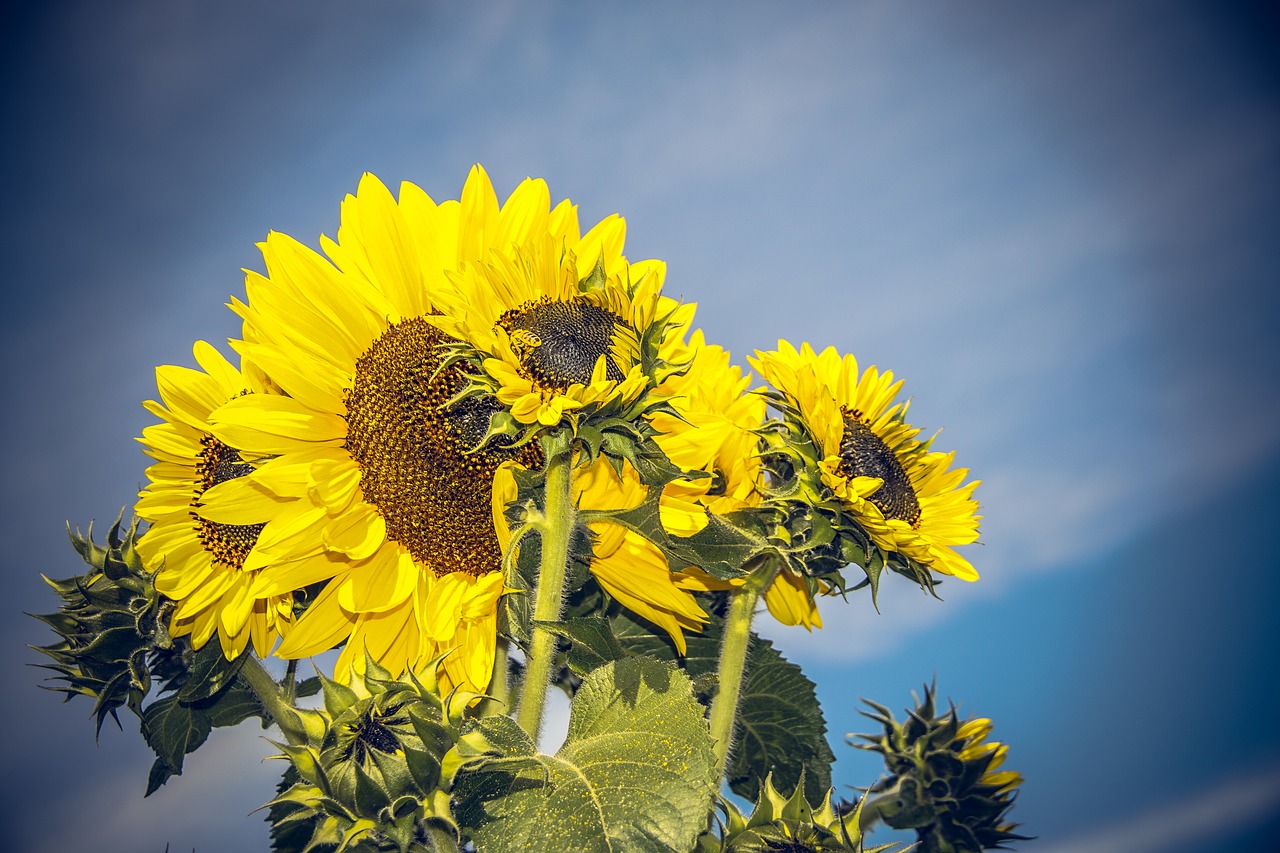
{"x":200,"y":563}
{"x":714,"y":429}
{"x":907,"y":497}
{"x":562,"y":324}
{"x":363,"y":473}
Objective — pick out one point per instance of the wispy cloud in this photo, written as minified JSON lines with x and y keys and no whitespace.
{"x":1214,"y":812}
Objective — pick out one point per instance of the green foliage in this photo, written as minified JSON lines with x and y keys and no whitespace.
{"x":636,"y":772}
{"x":115,"y":648}
{"x":941,"y":780}
{"x":781,"y":728}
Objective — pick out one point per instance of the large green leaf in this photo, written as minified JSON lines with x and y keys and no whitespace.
{"x":636,"y":772}
{"x":781,"y":728}
{"x":173,"y":729}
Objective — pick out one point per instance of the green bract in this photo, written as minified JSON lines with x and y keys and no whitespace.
{"x":115,"y":648}
{"x":779,"y":822}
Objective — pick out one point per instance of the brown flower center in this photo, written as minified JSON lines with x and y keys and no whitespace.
{"x":864,"y":454}
{"x":229,"y":544}
{"x":559,"y":342}
{"x":414,"y":466}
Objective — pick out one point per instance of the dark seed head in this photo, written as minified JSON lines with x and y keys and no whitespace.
{"x":864,"y":454}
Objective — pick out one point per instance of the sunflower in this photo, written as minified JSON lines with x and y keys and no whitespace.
{"x":713,"y":429}
{"x":563,"y":325}
{"x":907,"y":497}
{"x":200,"y":563}
{"x":365,"y":468}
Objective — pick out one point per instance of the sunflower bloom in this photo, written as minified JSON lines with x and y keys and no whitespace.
{"x":907,"y":497}
{"x":561,"y":323}
{"x":200,"y":563}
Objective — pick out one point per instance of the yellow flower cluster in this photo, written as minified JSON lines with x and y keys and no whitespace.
{"x":343,"y":465}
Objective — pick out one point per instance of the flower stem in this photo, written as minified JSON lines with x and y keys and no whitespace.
{"x":559,"y":516}
{"x":440,"y":840}
{"x":733,"y":655}
{"x":874,"y":807}
{"x":264,"y":686}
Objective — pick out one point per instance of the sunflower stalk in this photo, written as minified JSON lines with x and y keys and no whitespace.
{"x":733,"y":654}
{"x":269,"y":693}
{"x":555,"y":529}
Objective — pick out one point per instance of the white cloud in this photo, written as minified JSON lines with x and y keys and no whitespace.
{"x":1213,"y":812}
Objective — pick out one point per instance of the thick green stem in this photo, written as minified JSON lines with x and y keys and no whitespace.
{"x":555,"y":528}
{"x":733,"y":657}
{"x":264,"y":686}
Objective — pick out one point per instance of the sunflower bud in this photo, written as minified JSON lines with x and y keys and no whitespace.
{"x":370,"y":775}
{"x":944,"y":779}
{"x":112,"y":626}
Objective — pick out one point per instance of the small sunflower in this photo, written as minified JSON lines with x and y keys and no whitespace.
{"x":562,"y":324}
{"x":906,"y":497}
{"x":714,"y":429}
{"x":200,"y":563}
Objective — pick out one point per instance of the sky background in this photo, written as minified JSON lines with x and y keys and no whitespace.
{"x":1057,"y":222}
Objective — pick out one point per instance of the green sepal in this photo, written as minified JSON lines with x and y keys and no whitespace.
{"x":337,"y":697}
{"x":788,"y":822}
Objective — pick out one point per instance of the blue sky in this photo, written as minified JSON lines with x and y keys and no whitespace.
{"x":1056,"y":222}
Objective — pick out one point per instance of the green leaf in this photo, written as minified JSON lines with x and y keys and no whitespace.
{"x":208,"y":671}
{"x":173,"y":729}
{"x":780,"y":728}
{"x":515,"y":609}
{"x":720,"y":549}
{"x":307,"y":687}
{"x":636,"y":772}
{"x":592,"y":643}
{"x":160,"y":773}
{"x":236,"y":703}
{"x":289,"y":836}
